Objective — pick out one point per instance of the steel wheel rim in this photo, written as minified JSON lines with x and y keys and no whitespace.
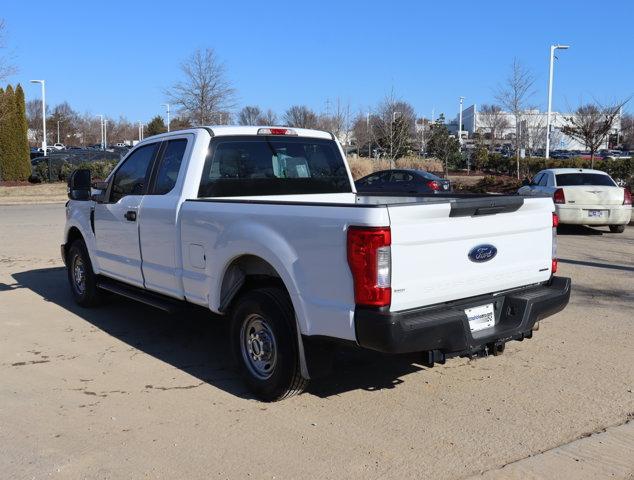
{"x":258,"y":346}
{"x":79,"y":275}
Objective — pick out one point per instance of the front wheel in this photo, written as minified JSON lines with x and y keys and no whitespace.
{"x":82,"y":279}
{"x":617,"y":228}
{"x":264,"y":341}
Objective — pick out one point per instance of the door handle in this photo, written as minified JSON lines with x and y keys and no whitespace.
{"x":130,"y":216}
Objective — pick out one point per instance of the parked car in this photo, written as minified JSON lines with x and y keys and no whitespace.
{"x":263,"y":227}
{"x":583,"y":197}
{"x":59,"y":146}
{"x":402,"y":181}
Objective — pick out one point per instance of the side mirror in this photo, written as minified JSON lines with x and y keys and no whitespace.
{"x":79,"y":184}
{"x":101,"y":187}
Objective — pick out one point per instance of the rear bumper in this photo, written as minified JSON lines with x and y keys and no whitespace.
{"x":616,"y":214}
{"x":445,"y":328}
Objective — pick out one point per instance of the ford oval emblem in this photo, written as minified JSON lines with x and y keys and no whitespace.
{"x":482,"y":253}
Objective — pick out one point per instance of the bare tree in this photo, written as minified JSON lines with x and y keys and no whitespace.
{"x":300,"y":116}
{"x":267,"y":118}
{"x":249,"y":115}
{"x":591,"y":123}
{"x":494,"y":121}
{"x":205,"y":91}
{"x":513,"y":95}
{"x":361,"y":133}
{"x":393,"y":126}
{"x":6,"y":66}
{"x":339,"y":122}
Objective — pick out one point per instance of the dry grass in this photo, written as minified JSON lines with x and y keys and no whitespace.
{"x":360,"y":167}
{"x":29,"y":193}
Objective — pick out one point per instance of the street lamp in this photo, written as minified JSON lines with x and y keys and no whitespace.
{"x":460,"y":123}
{"x":367,"y":124}
{"x":43,"y":83}
{"x":101,"y":128}
{"x":167,"y":106}
{"x":550,"y":93}
{"x":392,"y":136}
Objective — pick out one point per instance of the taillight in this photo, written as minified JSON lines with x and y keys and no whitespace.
{"x":369,"y":258}
{"x":434,"y":185}
{"x":553,"y":267}
{"x":627,"y":197}
{"x":559,"y":196}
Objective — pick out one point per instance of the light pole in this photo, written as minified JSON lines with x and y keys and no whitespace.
{"x":392,"y":137}
{"x":460,"y":123}
{"x":140,"y":130}
{"x":550,"y":94}
{"x":367,"y":124}
{"x":167,"y":106}
{"x":58,"y":131}
{"x":101,"y":129}
{"x":105,"y":133}
{"x":43,"y":83}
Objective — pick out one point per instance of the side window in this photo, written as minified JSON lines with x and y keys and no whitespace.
{"x":377,"y":178}
{"x":537,"y":178}
{"x":544,"y":180}
{"x":131,"y":177}
{"x":401,"y":177}
{"x":170,"y":166}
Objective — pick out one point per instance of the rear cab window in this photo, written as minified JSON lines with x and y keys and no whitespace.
{"x":271,"y":165}
{"x":580,"y":179}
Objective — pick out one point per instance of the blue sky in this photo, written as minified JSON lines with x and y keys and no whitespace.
{"x":117,"y":57}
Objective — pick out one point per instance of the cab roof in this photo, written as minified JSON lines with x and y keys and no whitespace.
{"x":227,"y":130}
{"x":573,"y":170}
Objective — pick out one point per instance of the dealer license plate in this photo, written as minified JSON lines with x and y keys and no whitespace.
{"x":595,"y":213}
{"x":480,"y":317}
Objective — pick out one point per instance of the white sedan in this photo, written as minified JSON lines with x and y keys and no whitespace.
{"x":583,"y":197}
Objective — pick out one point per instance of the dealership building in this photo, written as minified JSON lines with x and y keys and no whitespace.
{"x":532,"y":128}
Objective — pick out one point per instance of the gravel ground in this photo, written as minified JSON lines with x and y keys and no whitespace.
{"x":125,"y":391}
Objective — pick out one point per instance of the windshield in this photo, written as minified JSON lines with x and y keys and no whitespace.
{"x":577,"y":179}
{"x":243,"y":166}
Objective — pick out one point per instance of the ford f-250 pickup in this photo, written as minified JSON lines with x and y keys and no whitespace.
{"x":263,"y":226}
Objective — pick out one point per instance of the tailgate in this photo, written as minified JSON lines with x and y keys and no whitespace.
{"x":593,"y":195}
{"x":431,"y":246}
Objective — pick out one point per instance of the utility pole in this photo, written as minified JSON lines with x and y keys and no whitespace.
{"x":550,"y":93}
{"x":105,"y":135}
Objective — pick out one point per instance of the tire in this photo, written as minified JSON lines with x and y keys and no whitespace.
{"x":617,"y":228}
{"x":264,"y":344}
{"x":82,"y":279}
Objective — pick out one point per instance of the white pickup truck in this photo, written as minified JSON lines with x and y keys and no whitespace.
{"x":263,"y":226}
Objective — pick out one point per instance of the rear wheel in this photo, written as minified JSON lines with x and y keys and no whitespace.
{"x":617,"y":228}
{"x":81,"y":277}
{"x":264,"y":341}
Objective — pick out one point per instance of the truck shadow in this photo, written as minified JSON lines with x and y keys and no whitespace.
{"x":580,"y":230}
{"x":197,"y":342}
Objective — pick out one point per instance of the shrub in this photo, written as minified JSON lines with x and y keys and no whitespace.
{"x":61,"y":169}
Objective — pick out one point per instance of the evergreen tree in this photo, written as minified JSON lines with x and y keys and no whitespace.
{"x":7,"y":147}
{"x":22,"y":158}
{"x":14,"y":152}
{"x":155,"y":126}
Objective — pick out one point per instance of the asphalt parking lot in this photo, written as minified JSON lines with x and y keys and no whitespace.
{"x":126,"y":391}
